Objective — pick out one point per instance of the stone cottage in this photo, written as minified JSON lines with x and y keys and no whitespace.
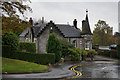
{"x":40,"y":33}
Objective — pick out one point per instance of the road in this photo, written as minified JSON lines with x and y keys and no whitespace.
{"x":103,"y":68}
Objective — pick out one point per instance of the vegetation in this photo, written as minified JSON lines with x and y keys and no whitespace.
{"x":109,"y":53}
{"x":91,"y":53}
{"x":102,"y":34}
{"x":13,"y":24}
{"x":27,"y":46}
{"x":54,"y":46}
{"x":65,"y":47}
{"x":117,"y":37}
{"x":30,"y":57}
{"x":18,"y":66}
{"x":11,"y":7}
{"x":10,"y":18}
{"x":84,"y":52}
{"x":118,"y":51}
{"x":11,"y":40}
{"x":73,"y":54}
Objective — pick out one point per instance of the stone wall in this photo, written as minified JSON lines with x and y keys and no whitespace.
{"x":77,"y":41}
{"x":43,"y":38}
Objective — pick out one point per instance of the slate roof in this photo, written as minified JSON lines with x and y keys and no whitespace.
{"x":25,"y":32}
{"x":38,"y":28}
{"x":66,"y":30}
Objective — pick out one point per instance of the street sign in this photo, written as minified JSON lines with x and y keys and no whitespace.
{"x":80,"y":42}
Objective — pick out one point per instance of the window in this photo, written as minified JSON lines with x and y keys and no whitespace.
{"x":74,"y":43}
{"x":87,"y":45}
{"x":51,"y":29}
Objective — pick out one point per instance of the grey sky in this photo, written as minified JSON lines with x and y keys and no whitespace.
{"x":63,"y":12}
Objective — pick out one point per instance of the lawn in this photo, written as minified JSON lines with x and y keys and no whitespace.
{"x":18,"y":66}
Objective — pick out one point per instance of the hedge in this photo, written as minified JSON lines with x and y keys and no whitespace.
{"x":27,"y":46}
{"x":118,"y":51}
{"x":40,"y":58}
{"x":108,"y":53}
{"x":11,"y":40}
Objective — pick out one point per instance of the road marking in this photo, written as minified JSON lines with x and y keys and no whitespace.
{"x":78,"y":74}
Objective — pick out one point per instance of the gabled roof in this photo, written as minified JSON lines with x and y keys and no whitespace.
{"x":68,"y":31}
{"x":38,"y":28}
{"x":65,"y":30}
{"x":25,"y":32}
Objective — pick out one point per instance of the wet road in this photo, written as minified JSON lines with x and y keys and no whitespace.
{"x":74,"y":71}
{"x":100,"y":69}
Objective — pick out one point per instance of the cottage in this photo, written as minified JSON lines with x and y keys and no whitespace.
{"x":40,"y":33}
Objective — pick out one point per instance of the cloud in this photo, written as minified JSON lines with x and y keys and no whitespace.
{"x":63,"y":12}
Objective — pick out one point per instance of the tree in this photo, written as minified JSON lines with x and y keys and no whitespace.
{"x":102,"y":34}
{"x":54,"y":46}
{"x":13,"y":24}
{"x":11,"y":7}
{"x":11,"y":40}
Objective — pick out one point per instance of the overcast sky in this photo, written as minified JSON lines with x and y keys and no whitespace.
{"x":63,"y":12}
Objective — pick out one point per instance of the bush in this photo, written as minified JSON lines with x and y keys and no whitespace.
{"x":84,"y":52}
{"x":54,"y":46}
{"x":41,"y":58}
{"x":91,"y":53}
{"x":27,"y":46}
{"x":65,"y":45}
{"x":73,"y":54}
{"x":104,"y":52}
{"x":118,"y":51}
{"x":11,"y":40}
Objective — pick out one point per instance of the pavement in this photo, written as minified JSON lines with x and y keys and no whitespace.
{"x":102,"y":58}
{"x":74,"y":70}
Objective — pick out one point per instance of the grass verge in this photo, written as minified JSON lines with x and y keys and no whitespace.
{"x":18,"y":66}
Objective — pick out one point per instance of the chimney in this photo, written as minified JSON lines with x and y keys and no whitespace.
{"x":75,"y":23}
{"x":31,"y":21}
{"x":42,"y":20}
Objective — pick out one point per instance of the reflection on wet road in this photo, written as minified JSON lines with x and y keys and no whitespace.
{"x":99,"y":70}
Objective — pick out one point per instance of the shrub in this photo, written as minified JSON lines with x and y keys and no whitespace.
{"x":65,"y":45}
{"x":54,"y":46}
{"x":84,"y":52}
{"x":73,"y":54}
{"x":11,"y":40}
{"x":41,"y":58}
{"x":27,"y":46}
{"x":118,"y":51}
{"x":91,"y":53}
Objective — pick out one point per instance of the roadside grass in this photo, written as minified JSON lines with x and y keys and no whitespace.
{"x":18,"y":66}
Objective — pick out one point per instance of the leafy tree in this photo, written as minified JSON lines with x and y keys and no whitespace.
{"x":54,"y":46}
{"x":11,"y":7}
{"x":11,"y":40}
{"x":13,"y":24}
{"x":102,"y":34}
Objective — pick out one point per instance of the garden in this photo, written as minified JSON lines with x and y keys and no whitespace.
{"x":17,"y":54}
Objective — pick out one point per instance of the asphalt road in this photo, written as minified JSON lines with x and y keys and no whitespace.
{"x":109,"y":69}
